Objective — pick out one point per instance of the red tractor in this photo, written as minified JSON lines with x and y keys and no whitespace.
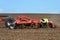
{"x":24,"y":21}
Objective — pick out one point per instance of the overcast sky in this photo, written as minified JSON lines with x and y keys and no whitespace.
{"x":29,"y":6}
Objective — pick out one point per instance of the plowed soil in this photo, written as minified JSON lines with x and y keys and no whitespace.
{"x":32,"y":34}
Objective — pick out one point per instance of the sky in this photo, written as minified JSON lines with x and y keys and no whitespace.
{"x":29,"y":6}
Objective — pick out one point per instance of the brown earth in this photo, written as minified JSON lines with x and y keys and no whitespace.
{"x":32,"y":34}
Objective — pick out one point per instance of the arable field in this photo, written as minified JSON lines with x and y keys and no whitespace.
{"x":32,"y":34}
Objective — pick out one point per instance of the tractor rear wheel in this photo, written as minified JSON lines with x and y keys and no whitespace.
{"x":10,"y":23}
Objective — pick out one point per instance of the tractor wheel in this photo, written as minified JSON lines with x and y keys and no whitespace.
{"x":10,"y":23}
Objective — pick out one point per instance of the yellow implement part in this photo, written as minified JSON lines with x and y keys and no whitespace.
{"x":45,"y":20}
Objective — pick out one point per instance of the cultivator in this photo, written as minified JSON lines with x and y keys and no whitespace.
{"x":24,"y":21}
